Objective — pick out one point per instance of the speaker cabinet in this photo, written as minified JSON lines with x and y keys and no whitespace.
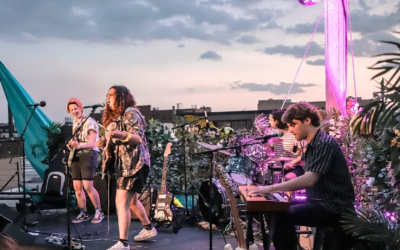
{"x":7,"y":217}
{"x":103,"y":186}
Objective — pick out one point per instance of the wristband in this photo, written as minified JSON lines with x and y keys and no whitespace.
{"x":127,"y":138}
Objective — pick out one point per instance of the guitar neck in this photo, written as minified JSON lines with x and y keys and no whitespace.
{"x":164,"y":176}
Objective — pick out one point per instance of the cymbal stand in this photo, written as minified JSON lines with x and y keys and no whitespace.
{"x":183,"y":127}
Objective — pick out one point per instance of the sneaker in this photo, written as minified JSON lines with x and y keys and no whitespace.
{"x":81,"y":218}
{"x":98,"y":217}
{"x":145,"y":234}
{"x":119,"y":246}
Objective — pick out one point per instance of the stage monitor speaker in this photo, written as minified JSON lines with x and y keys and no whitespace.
{"x":102,"y":186}
{"x":7,"y":214}
{"x":43,"y":247}
{"x":15,"y":233}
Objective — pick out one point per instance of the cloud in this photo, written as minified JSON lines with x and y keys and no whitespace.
{"x":361,"y":22}
{"x":296,"y":51}
{"x":247,"y":39}
{"x":317,"y":62}
{"x":279,"y":89}
{"x":127,"y":21}
{"x":181,"y":46}
{"x":370,"y":45}
{"x":210,"y":55}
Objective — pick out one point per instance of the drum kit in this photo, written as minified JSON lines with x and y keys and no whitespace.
{"x":255,"y":165}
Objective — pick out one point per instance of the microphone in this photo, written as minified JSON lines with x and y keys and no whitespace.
{"x":266,"y":137}
{"x":207,"y":123}
{"x":95,"y":105}
{"x":41,"y":104}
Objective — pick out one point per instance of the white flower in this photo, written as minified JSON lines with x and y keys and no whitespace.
{"x":370,"y":181}
{"x":341,"y":118}
{"x":172,"y":135}
{"x":176,"y":140}
{"x":331,"y":133}
{"x":227,"y":130}
{"x":332,"y":121}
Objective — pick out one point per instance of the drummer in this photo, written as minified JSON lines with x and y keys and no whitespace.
{"x":289,"y":147}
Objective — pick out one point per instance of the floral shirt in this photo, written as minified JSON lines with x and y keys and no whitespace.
{"x":129,"y":158}
{"x":83,"y":135}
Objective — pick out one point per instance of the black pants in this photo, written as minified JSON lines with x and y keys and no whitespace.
{"x":307,"y":214}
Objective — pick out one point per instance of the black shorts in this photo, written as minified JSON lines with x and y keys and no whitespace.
{"x":136,"y":182}
{"x":298,"y":171}
{"x":84,"y":165}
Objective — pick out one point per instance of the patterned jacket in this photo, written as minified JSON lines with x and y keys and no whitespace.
{"x":129,"y":158}
{"x":83,"y":135}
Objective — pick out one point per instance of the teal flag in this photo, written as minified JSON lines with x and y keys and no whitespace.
{"x":35,"y":136}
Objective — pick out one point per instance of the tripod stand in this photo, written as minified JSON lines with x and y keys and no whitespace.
{"x":21,"y":142}
{"x":183,"y":127}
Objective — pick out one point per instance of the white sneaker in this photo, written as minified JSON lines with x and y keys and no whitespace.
{"x":98,"y":217}
{"x":145,"y":234}
{"x":119,"y":246}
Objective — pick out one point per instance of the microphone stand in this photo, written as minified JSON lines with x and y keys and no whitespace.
{"x":22,"y":142}
{"x":67,"y":168}
{"x":183,"y":127}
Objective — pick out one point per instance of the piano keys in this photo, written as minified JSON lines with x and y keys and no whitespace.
{"x":263,"y":203}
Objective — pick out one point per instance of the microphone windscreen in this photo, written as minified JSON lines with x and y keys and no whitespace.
{"x":42,"y":103}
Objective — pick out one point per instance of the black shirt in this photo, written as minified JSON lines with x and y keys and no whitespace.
{"x":334,"y":190}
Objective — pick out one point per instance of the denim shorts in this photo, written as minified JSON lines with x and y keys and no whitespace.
{"x":84,"y":165}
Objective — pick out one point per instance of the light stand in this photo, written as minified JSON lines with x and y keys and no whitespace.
{"x":67,"y":168}
{"x":22,"y":141}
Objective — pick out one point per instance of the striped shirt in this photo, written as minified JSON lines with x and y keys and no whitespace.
{"x":287,"y":146}
{"x":334,"y":190}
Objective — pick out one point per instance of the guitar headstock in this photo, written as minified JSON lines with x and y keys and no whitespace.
{"x":168,"y":149}
{"x":222,"y":177}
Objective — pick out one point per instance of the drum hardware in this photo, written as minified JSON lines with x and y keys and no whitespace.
{"x":209,"y":146}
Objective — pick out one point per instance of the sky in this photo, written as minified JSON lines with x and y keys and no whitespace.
{"x":224,"y":54}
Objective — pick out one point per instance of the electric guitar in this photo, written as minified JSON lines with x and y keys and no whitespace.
{"x":71,"y":156}
{"x":107,"y":156}
{"x":163,"y":211}
{"x":234,"y":211}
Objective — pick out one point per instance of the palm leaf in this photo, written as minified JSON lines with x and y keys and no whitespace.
{"x":394,"y":64}
{"x":379,"y":113}
{"x":372,"y":227}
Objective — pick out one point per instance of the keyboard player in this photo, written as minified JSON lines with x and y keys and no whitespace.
{"x":327,"y":179}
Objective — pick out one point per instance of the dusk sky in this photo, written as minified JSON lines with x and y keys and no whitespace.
{"x":225,"y":54}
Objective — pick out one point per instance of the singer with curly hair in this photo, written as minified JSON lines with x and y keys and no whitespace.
{"x":126,"y":147}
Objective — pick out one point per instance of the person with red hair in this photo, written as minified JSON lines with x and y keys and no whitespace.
{"x":84,"y":161}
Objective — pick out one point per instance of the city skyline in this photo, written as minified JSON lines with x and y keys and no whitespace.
{"x":227,"y":55}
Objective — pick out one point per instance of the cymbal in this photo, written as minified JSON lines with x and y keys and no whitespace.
{"x":209,"y":146}
{"x":250,"y":139}
{"x":275,"y":140}
{"x":281,"y":159}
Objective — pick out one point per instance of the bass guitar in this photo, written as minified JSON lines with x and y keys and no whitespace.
{"x":163,"y":211}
